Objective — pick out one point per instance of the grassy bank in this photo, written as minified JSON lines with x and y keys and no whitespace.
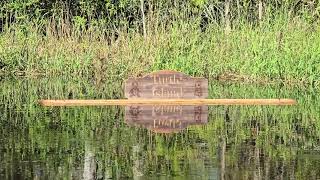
{"x":286,"y":51}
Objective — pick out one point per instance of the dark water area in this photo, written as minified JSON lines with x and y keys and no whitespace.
{"x":156,"y":142}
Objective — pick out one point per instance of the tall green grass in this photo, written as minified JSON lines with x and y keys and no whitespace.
{"x":281,"y":50}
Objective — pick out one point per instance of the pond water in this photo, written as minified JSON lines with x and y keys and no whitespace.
{"x":215,"y":142}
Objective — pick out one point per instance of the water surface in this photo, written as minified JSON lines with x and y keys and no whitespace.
{"x":235,"y":142}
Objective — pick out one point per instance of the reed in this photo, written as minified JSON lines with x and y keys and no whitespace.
{"x":283,"y":50}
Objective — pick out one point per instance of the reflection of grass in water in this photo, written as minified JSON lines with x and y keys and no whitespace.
{"x":43,"y":134}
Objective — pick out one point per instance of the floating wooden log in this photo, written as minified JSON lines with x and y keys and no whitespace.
{"x":112,"y":102}
{"x":167,"y":88}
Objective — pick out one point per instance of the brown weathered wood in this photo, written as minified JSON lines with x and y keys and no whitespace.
{"x":112,"y":102}
{"x":167,"y":88}
{"x":165,"y":118}
{"x":166,"y":85}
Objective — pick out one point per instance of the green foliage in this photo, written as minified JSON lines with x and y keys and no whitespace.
{"x":79,"y":22}
{"x":284,"y":51}
{"x":199,"y":3}
{"x":88,"y":38}
{"x":126,"y":12}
